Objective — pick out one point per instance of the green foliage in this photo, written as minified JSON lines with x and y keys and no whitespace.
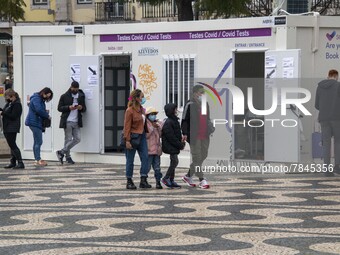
{"x":12,"y":10}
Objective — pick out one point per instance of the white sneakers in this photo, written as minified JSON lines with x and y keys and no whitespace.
{"x":188,"y":180}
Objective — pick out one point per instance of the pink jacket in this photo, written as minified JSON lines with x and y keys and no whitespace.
{"x":153,"y":138}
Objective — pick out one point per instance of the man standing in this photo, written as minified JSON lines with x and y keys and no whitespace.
{"x":196,"y":128}
{"x":71,"y":105}
{"x":327,"y":101}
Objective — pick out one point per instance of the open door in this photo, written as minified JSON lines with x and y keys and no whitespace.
{"x":282,"y":70}
{"x":87,"y":71}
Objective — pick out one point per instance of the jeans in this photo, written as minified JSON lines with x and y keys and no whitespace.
{"x":173,"y":164}
{"x":155,"y":162}
{"x":199,"y":152}
{"x":37,"y":137}
{"x":143,"y":155}
{"x":15,"y":151}
{"x":329,"y":129}
{"x":72,"y":137}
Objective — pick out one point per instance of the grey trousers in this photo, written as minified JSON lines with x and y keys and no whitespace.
{"x":199,"y":152}
{"x":72,"y":137}
{"x":329,"y":129}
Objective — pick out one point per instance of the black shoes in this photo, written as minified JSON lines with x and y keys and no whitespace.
{"x":130,"y":184}
{"x":60,"y":156}
{"x":69,"y":161}
{"x":20,"y":165}
{"x":11,"y":165}
{"x":158,"y":184}
{"x":144,"y":183}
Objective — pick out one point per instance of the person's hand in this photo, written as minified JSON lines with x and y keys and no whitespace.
{"x":128,"y":145}
{"x":71,"y":107}
{"x":79,"y":107}
{"x":184,"y":138}
{"x":49,"y":117}
{"x":155,"y":124}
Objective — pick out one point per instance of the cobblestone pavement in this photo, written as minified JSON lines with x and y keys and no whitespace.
{"x":85,"y":209}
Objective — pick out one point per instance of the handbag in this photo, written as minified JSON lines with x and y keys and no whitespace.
{"x":46,"y":123}
{"x":134,"y":140}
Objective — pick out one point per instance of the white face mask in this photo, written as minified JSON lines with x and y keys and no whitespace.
{"x":199,"y":98}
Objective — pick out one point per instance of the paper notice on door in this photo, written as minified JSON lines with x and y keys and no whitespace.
{"x":88,"y":94}
{"x":288,"y":73}
{"x":92,"y":75}
{"x":270,"y":62}
{"x":75,"y":72}
{"x":288,"y":62}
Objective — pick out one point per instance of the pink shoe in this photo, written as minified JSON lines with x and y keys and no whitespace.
{"x":204,"y":184}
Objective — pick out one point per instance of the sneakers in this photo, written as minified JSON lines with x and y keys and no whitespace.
{"x":70,"y":161}
{"x":40,"y":163}
{"x":166,"y":182}
{"x":204,"y":184}
{"x":188,"y":180}
{"x":174,"y":185}
{"x":60,"y":156}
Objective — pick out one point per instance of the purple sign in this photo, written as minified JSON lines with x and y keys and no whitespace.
{"x":195,"y":35}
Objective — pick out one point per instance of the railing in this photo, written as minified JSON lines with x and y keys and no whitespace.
{"x":260,"y":7}
{"x":162,"y":10}
{"x":112,"y":11}
{"x":326,"y":7}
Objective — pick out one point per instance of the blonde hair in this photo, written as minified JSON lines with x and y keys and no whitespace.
{"x":133,"y":98}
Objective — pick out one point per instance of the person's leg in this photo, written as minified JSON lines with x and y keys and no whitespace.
{"x":37,"y":137}
{"x":143,"y":155}
{"x":68,"y":139}
{"x":173,"y":164}
{"x":156,"y":164}
{"x":196,"y":159}
{"x":336,"y":133}
{"x":11,"y":143}
{"x":326,"y":134}
{"x":204,"y":154}
{"x":130,"y":157}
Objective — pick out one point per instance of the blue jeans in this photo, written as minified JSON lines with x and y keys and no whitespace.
{"x":143,"y":155}
{"x":155,"y":162}
{"x":37,"y":137}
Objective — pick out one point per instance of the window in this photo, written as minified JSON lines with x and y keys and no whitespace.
{"x":40,"y":2}
{"x":179,"y":78}
{"x":84,"y":1}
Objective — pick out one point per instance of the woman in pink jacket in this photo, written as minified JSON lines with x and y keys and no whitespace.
{"x":154,"y":143}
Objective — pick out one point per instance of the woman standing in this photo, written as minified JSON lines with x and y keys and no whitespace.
{"x":134,"y":123}
{"x":11,"y":115}
{"x":34,"y":120}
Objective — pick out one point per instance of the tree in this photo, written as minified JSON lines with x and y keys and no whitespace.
{"x":211,"y":8}
{"x":12,"y":10}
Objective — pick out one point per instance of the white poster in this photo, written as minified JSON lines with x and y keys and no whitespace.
{"x":88,"y":94}
{"x":92,"y":75}
{"x":75,"y":72}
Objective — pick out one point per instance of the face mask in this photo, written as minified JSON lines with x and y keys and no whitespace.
{"x":8,"y":100}
{"x":143,"y":100}
{"x":199,"y":98}
{"x":152,"y":117}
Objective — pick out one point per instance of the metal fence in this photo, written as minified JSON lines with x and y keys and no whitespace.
{"x":113,"y":11}
{"x":162,"y":10}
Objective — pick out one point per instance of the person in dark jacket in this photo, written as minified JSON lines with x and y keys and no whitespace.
{"x":172,"y":143}
{"x":34,"y":120}
{"x":197,"y":127}
{"x":71,"y":105}
{"x":11,"y":115}
{"x":327,"y":101}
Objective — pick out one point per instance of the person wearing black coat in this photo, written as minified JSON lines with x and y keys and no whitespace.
{"x":71,"y":105}
{"x":172,"y":143}
{"x":11,"y":114}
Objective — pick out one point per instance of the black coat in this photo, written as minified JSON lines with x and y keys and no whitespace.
{"x":65,"y":101}
{"x":11,"y":116}
{"x":171,"y":132}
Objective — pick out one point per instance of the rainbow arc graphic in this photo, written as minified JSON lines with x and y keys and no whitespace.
{"x":211,"y":92}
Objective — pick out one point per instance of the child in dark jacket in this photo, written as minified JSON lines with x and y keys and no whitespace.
{"x":172,"y":143}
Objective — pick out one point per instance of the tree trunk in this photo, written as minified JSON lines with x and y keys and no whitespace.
{"x":185,"y":11}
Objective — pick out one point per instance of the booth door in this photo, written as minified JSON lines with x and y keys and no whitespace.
{"x":282,"y":70}
{"x":87,"y":71}
{"x":37,"y":73}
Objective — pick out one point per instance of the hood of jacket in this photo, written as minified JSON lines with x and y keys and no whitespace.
{"x":169,"y":110}
{"x":35,"y":95}
{"x":326,"y":84}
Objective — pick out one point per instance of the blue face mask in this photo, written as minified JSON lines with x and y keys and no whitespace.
{"x":152,"y":117}
{"x":143,"y":100}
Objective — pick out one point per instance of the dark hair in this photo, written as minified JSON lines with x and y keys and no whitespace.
{"x":197,"y":88}
{"x":45,"y":91}
{"x":75,"y":84}
{"x":333,"y":73}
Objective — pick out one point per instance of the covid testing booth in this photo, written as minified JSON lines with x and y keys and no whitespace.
{"x":165,"y":60}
